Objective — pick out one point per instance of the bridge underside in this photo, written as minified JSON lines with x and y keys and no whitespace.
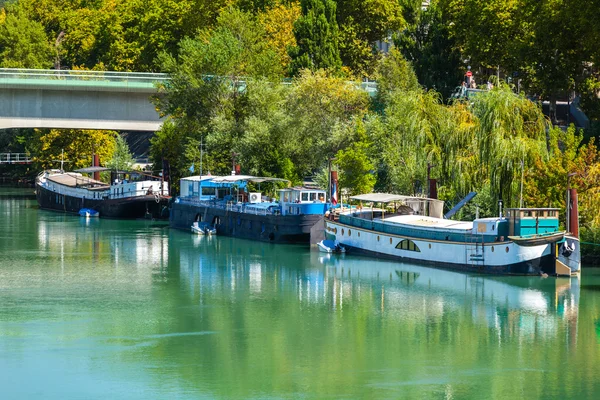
{"x":86,"y":108}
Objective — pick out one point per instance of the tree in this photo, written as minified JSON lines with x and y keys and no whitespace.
{"x":78,"y":147}
{"x":278,"y":24}
{"x":356,"y":168}
{"x":545,"y":181}
{"x":324,"y":110}
{"x":122,"y":159}
{"x":23,"y":42}
{"x":361,"y":24}
{"x":510,"y":130}
{"x":316,"y":32}
{"x":428,"y":45}
{"x":394,"y":73}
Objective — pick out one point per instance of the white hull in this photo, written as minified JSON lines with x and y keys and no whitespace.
{"x":489,"y":257}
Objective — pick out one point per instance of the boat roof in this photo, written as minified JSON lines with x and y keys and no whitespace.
{"x":74,"y":180}
{"x":89,"y":170}
{"x":246,"y":178}
{"x":303,"y":188}
{"x":533,"y":209}
{"x":387,"y":198}
{"x":424,"y":221}
{"x":199,"y":178}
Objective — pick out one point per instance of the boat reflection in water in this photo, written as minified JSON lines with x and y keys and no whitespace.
{"x":527,"y":306}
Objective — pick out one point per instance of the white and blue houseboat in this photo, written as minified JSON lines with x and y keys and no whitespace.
{"x":524,"y":241}
{"x":225,"y":203}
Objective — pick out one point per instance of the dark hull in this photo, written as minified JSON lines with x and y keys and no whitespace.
{"x":128,"y":208}
{"x":266,"y":228}
{"x":545,"y":264}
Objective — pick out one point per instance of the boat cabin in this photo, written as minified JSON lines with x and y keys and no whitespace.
{"x":302,"y":200}
{"x":531,"y":221}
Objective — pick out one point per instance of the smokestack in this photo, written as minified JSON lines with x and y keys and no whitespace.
{"x":433,"y":188}
{"x":96,"y":163}
{"x":573,"y":213}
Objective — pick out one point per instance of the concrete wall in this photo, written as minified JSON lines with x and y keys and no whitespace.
{"x":89,"y":108}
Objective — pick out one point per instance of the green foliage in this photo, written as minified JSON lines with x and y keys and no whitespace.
{"x":317,"y":39}
{"x":78,"y":147}
{"x":361,"y":24}
{"x":546,"y":180}
{"x":511,"y":129}
{"x":168,"y":144}
{"x":23,"y":43}
{"x":394,"y":73}
{"x":355,"y":166}
{"x":427,"y":44}
{"x":122,"y":159}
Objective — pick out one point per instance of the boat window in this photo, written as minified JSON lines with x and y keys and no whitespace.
{"x":208,"y":191}
{"x":408,"y":245}
{"x":304,"y":196}
{"x":313,"y":196}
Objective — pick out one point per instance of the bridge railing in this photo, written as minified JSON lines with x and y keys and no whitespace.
{"x":117,"y":78}
{"x":15,"y":158}
{"x":81,"y":75}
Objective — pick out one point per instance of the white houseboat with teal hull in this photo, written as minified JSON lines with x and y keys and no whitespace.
{"x":522,"y":242}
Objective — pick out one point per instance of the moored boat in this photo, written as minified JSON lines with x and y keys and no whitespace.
{"x":330,"y":246}
{"x":227,"y":204}
{"x":70,"y":192}
{"x":202,"y":228}
{"x":527,"y":241}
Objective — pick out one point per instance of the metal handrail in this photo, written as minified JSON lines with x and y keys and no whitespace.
{"x":15,"y":158}
{"x":73,"y":75}
{"x":227,"y":206}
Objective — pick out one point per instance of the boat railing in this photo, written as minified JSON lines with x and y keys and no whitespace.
{"x":227,"y":206}
{"x":133,"y":193}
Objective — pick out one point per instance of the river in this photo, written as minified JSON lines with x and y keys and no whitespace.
{"x":106,"y":309}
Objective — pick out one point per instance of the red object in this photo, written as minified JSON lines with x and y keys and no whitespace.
{"x":573,"y":214}
{"x":96,"y":163}
{"x":334,"y":187}
{"x":469,"y":74}
{"x":238,"y":169}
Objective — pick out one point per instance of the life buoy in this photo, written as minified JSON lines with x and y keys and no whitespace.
{"x":253,"y":197}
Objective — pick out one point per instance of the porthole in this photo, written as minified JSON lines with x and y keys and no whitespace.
{"x":507,"y":249}
{"x":358,"y":234}
{"x":492,"y":249}
{"x":335,"y":231}
{"x":429,"y":245}
{"x":342,"y":232}
{"x":378,"y":238}
{"x":349,"y":232}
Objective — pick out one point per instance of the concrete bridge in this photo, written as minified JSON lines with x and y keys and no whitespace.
{"x":66,"y":99}
{"x":78,"y":99}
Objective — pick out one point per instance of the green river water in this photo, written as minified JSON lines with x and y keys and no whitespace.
{"x":105,"y":309}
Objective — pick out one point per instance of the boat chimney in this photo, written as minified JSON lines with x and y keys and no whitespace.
{"x":432,"y":183}
{"x":500,"y":208}
{"x":433,"y":188}
{"x":573,"y":213}
{"x":96,"y":163}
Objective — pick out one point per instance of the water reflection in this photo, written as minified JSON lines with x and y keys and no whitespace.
{"x":167,"y":314}
{"x":534,"y":304}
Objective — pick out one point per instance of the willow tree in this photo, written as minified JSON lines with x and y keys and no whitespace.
{"x":510,"y":133}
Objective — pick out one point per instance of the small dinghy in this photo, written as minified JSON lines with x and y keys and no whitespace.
{"x":202,"y":228}
{"x":330,"y":246}
{"x":88,"y":212}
